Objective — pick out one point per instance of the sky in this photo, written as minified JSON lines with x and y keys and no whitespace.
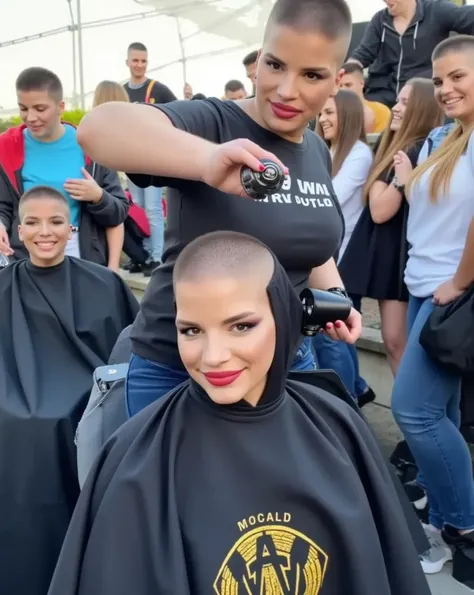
{"x":104,"y":48}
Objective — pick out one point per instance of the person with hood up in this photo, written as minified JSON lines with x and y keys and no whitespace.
{"x":239,"y":480}
{"x":399,"y":40}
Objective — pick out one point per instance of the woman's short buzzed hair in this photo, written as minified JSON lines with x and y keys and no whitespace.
{"x":221,"y":253}
{"x":39,"y":192}
{"x":331,"y":18}
{"x":458,"y":43}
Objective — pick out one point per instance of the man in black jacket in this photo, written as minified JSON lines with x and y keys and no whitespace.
{"x":44,"y":151}
{"x":400,"y":39}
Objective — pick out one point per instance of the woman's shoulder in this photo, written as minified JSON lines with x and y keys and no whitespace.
{"x":361,"y":150}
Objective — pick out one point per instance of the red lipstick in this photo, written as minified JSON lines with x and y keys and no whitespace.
{"x":222,"y":378}
{"x":285,"y":112}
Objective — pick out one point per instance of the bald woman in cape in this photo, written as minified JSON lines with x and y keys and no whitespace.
{"x":239,"y":480}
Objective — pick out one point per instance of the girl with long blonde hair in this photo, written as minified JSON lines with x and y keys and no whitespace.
{"x":440,"y":231}
{"x":375,"y":258}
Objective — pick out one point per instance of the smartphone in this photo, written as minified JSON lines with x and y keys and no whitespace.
{"x":4,"y":262}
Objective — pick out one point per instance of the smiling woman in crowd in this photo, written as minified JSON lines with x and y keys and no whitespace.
{"x":374,"y":262}
{"x":426,"y":397}
{"x":341,"y":124}
{"x":197,"y":149}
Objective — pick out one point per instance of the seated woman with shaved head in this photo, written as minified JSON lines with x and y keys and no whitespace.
{"x":239,"y":481}
{"x":59,"y":320}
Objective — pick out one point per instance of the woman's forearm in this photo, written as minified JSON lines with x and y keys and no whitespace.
{"x":464,"y":276}
{"x":384,"y":202}
{"x":141,"y":139}
{"x":326,"y":276}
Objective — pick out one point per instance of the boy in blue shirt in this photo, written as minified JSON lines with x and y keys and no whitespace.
{"x":44,"y":151}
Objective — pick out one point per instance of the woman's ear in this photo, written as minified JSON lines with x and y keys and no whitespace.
{"x":337,"y":82}
{"x":20,"y":233}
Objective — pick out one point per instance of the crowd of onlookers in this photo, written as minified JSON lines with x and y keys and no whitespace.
{"x":406,"y":204}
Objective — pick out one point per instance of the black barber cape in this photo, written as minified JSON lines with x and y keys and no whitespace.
{"x":291,"y":497}
{"x":56,"y":326}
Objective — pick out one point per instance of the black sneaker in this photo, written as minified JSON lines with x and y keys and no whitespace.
{"x":135,"y":267}
{"x":149,"y":267}
{"x":368,"y":396}
{"x":463,"y":555}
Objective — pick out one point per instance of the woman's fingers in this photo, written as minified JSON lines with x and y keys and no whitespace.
{"x":259,"y":153}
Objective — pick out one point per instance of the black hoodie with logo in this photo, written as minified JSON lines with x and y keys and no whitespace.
{"x":393,"y":59}
{"x":194,"y":498}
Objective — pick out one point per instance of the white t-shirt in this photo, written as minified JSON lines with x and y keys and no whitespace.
{"x":437,"y":231}
{"x":348,"y":185}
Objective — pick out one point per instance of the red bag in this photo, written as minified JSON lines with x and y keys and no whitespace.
{"x":139,"y":216}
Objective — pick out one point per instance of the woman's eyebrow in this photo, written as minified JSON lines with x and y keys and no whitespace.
{"x":306,"y":68}
{"x":229,"y":320}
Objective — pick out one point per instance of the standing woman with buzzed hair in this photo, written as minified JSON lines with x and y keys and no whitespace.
{"x":197,"y":149}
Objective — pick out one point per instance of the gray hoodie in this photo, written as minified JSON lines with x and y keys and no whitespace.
{"x":394,"y":59}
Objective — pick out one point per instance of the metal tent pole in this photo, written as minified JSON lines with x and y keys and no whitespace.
{"x":81,"y":56}
{"x":74,"y":57}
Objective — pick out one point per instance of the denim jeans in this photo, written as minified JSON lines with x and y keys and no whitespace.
{"x":335,"y":355}
{"x":342,"y":358}
{"x":148,"y":381}
{"x":150,"y":200}
{"x":425,"y":404}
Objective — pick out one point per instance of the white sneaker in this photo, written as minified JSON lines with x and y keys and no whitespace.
{"x":433,"y":560}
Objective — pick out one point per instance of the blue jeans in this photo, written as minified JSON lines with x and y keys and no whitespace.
{"x":426,"y":406}
{"x":342,"y":358}
{"x":150,"y":200}
{"x":148,"y":381}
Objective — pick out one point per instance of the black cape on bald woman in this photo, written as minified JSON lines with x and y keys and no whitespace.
{"x":239,"y":481}
{"x":59,"y":320}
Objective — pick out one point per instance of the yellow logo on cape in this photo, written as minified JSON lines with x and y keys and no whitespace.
{"x":272,"y":560}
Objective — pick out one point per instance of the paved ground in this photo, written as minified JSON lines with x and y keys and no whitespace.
{"x":370,"y":310}
{"x":382,"y":422}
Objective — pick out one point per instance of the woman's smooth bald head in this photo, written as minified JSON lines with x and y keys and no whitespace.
{"x":223,"y":254}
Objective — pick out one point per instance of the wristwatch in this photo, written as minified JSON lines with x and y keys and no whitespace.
{"x":396,"y":184}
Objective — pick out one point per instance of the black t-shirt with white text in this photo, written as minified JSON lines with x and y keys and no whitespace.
{"x":159,"y":93}
{"x":302,"y":224}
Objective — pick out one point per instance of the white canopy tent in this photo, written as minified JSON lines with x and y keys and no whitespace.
{"x":194,"y":31}
{"x":85,"y":41}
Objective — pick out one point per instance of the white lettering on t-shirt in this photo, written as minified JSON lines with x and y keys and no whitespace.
{"x":281,"y":198}
{"x":317,"y":194}
{"x":313,"y":188}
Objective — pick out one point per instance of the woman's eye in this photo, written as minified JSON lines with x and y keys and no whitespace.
{"x":313,"y":76}
{"x":189,"y":332}
{"x":243,"y":327}
{"x":274,"y":65}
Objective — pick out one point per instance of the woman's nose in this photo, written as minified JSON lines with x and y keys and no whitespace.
{"x":287,"y":89}
{"x":215,"y":353}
